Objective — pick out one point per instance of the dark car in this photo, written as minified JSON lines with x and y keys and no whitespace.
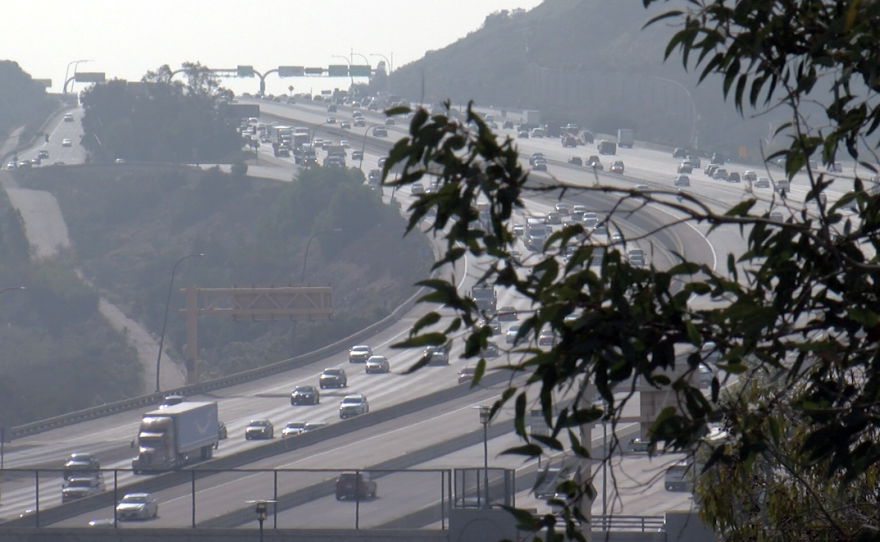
{"x":617,"y":167}
{"x":333,"y":378}
{"x":305,"y":395}
{"x":222,"y":432}
{"x":588,"y":137}
{"x":679,"y":152}
{"x":355,"y":485}
{"x":576,"y":161}
{"x":357,"y":155}
{"x":172,"y":399}
{"x":259,"y":429}
{"x":685,"y":168}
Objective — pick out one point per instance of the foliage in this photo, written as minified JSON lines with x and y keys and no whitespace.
{"x":773,"y":497}
{"x":23,"y":101}
{"x":130,"y":227}
{"x":59,"y":355}
{"x":801,"y":303}
{"x":158,"y":120}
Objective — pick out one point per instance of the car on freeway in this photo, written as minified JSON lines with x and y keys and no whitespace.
{"x":508,"y":125}
{"x":436,"y":355}
{"x":679,"y":152}
{"x":777,"y":217}
{"x":377,"y":364}
{"x":616,"y":237}
{"x":333,"y":378}
{"x":682,"y":180}
{"x":720,"y":174}
{"x":103,"y":523}
{"x":359,"y":353}
{"x":516,"y":255}
{"x":710,"y":169}
{"x":546,"y":338}
{"x":639,"y":446}
{"x":222,"y":432}
{"x":357,"y":155}
{"x":467,"y":374}
{"x":762,"y":182}
{"x":381,"y":161}
{"x":540,"y":165}
{"x":293,"y":429}
{"x":417,"y":189}
{"x":331,"y":120}
{"x":359,"y":122}
{"x":750,"y":176}
{"x":518,"y":230}
{"x":137,"y":506}
{"x":10,"y":165}
{"x":522,"y":134}
{"x":576,"y":161}
{"x":374,"y":177}
{"x":733,"y":177}
{"x":80,"y":487}
{"x":595,"y":163}
{"x":259,"y":429}
{"x":835,"y":167}
{"x":43,"y":155}
{"x":331,"y":108}
{"x":119,"y":161}
{"x":510,"y":336}
{"x":355,"y":485}
{"x":36,"y":161}
{"x":684,"y":168}
{"x":507,"y":314}
{"x":68,"y":117}
{"x":172,"y":399}
{"x":562,"y":208}
{"x":353,"y":405}
{"x":588,"y":137}
{"x":390,"y":121}
{"x":636,"y":256}
{"x":617,"y":167}
{"x":344,"y":143}
{"x":490,"y":351}
{"x":693,"y":161}
{"x":554,"y":217}
{"x":305,"y":395}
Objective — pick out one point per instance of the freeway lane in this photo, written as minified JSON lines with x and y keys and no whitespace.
{"x":238,"y":404}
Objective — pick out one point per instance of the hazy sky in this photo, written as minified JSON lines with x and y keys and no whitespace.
{"x":125,"y":38}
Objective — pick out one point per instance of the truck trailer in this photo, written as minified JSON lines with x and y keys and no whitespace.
{"x":176,"y":436}
{"x":626,"y":138}
{"x":485,"y":298}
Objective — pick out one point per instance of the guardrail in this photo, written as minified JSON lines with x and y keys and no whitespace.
{"x":223,"y":382}
{"x":643,"y":524}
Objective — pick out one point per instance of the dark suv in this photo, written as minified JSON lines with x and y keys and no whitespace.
{"x":333,"y":378}
{"x":355,"y":485}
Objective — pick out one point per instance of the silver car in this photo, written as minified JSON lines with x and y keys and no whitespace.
{"x":377,"y":364}
{"x":137,"y":506}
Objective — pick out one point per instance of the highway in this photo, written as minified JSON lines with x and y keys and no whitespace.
{"x":110,"y":437}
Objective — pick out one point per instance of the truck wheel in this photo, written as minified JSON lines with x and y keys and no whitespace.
{"x":338,"y":497}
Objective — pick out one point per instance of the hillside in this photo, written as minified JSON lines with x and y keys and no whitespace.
{"x":129,"y":227}
{"x":23,"y":102}
{"x":588,"y":62}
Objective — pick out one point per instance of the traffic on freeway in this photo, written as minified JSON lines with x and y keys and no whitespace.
{"x":110,"y":438}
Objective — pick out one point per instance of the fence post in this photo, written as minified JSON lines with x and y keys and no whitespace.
{"x":357,"y":499}
{"x":193,"y":489}
{"x":37,"y":497}
{"x":275,"y":504}
{"x":442,"y":501}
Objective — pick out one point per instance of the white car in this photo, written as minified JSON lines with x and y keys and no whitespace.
{"x":762,"y":182}
{"x":510,"y":336}
{"x":137,"y":506}
{"x":293,"y":429}
{"x":10,"y":165}
{"x":377,"y":364}
{"x":65,"y":142}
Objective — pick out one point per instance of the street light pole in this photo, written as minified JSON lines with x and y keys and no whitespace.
{"x":3,"y":427}
{"x":302,"y":276}
{"x":77,"y":63}
{"x":346,"y":59}
{"x":485,"y":418}
{"x":165,"y":319}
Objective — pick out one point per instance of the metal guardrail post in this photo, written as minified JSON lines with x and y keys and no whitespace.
{"x":275,"y":498}
{"x":357,"y":499}
{"x":193,"y":490}
{"x":37,"y":497}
